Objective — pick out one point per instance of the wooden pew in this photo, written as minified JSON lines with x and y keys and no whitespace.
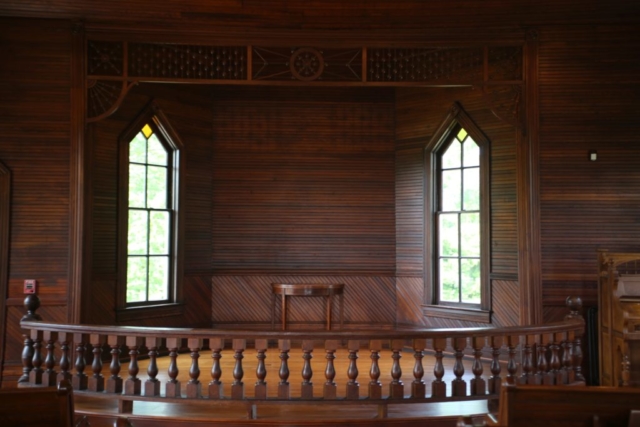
{"x":545,"y":406}
{"x":37,"y":406}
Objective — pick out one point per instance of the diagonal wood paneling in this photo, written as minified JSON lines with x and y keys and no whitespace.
{"x":247,"y":299}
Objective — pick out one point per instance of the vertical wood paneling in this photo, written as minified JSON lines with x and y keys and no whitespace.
{"x":303,"y":180}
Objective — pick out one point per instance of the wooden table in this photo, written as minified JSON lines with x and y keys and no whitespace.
{"x":306,"y":290}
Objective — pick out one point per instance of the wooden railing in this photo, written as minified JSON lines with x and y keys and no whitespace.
{"x":543,"y":354}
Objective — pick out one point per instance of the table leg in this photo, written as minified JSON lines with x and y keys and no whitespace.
{"x":329,"y":303}
{"x":273,"y":310}
{"x":341,"y":308}
{"x":284,"y":312}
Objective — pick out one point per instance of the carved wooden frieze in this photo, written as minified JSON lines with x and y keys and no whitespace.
{"x":113,"y":67}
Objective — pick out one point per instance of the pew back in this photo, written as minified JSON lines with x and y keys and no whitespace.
{"x":37,"y":407}
{"x":534,"y":406}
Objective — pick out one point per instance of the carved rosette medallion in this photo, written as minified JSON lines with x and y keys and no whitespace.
{"x":307,"y":64}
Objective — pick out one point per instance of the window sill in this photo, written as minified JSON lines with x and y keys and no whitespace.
{"x":131,"y":314}
{"x":457,"y":313}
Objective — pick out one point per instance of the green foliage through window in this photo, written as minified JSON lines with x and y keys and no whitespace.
{"x":458,"y":221}
{"x":149,"y":219}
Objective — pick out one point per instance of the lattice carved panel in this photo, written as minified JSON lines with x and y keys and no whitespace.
{"x":425,"y":65}
{"x":307,"y":64}
{"x":105,"y":58}
{"x":150,"y":60}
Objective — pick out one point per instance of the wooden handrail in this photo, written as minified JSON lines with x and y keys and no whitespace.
{"x":558,"y":361}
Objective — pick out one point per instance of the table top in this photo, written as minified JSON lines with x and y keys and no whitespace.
{"x":307,"y":288}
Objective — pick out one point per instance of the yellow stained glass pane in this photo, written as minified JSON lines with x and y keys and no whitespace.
{"x":461,"y":135}
{"x":147,"y":131}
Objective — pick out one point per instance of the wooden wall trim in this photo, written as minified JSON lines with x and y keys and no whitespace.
{"x":5,"y":212}
{"x":528,"y":176}
{"x":79,"y":227}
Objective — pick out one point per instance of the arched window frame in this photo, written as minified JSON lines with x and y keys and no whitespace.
{"x":126,"y":312}
{"x":456,"y":118}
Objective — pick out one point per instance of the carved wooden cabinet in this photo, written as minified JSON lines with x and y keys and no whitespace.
{"x":619,"y":318}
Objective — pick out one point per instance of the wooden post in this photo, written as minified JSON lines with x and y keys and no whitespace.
{"x":133,"y":385}
{"x":80,"y":380}
{"x":330,"y":388}
{"x":306,"y":389}
{"x":478,"y":384}
{"x":96,"y":381}
{"x":152,"y":384}
{"x":215,"y":386}
{"x":353,"y":387}
{"x":172,"y":388}
{"x":396,"y":387}
{"x":114,"y":382}
{"x":438,"y":387}
{"x":49,"y":375}
{"x":283,"y":385}
{"x":237,"y":388}
{"x":261,"y":370}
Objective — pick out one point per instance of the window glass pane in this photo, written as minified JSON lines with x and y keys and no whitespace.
{"x":138,"y":228}
{"x":157,"y":153}
{"x":451,"y":187}
{"x":138,"y":149}
{"x":471,"y":182}
{"x":136,"y":279}
{"x":471,"y":153}
{"x":159,"y":233}
{"x":136,"y":186}
{"x":157,"y":187}
{"x":147,"y":131}
{"x":462,"y":134}
{"x":470,"y":234}
{"x":451,"y":157}
{"x":449,"y":280}
{"x":158,"y":278}
{"x":448,"y":234}
{"x":470,"y":280}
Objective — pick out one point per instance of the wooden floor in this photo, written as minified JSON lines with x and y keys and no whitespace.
{"x":235,"y":413}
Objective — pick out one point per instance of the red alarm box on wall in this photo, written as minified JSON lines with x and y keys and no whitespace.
{"x":29,"y":286}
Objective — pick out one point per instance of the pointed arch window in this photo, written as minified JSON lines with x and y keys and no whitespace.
{"x":150,"y":262}
{"x":457,"y":221}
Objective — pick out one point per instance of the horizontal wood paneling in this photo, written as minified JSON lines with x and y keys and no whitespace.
{"x":303,"y":180}
{"x":35,"y":129}
{"x":589,"y":87}
{"x":418,"y":113}
{"x":188,"y":111}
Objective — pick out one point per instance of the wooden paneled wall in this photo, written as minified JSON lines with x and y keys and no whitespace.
{"x":303,"y":190}
{"x":589,"y":92}
{"x":34,"y":146}
{"x":188,"y":111}
{"x":418,"y":113}
{"x":589,"y":86}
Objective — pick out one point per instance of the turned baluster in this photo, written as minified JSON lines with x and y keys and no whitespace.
{"x":152,"y":384}
{"x":261,"y":370}
{"x":65,"y":358}
{"x":96,"y":381}
{"x":49,"y":375}
{"x":495,"y":382}
{"x":215,"y":386}
{"x":194,"y":386}
{"x":31,"y":303}
{"x":173,"y":387}
{"x":543,"y":375}
{"x":458,"y":385}
{"x":396,"y":386}
{"x":306,"y":389}
{"x":567,"y":373}
{"x":418,"y":387}
{"x":512,"y":366}
{"x":554,"y":361}
{"x":478,"y":384}
{"x":527,"y":360}
{"x":283,"y":385}
{"x":27,"y":359}
{"x":330,"y":388}
{"x":562,"y":374}
{"x":35,"y":375}
{"x":80,"y":380}
{"x":353,"y":387}
{"x":438,"y":387}
{"x":114,"y":382}
{"x":133,"y":385}
{"x":237,"y":388}
{"x":375,"y":386}
{"x":575,"y":306}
